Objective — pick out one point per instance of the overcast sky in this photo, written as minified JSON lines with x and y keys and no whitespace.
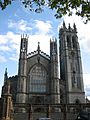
{"x":16,"y":20}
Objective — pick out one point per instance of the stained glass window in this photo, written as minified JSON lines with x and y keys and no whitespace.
{"x":38,"y":76}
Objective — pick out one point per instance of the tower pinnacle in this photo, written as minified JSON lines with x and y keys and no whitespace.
{"x":74,"y":26}
{"x":64,"y":26}
{"x":69,"y":27}
{"x":38,"y":47}
{"x":5,"y":75}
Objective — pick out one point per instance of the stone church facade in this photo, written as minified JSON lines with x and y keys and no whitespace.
{"x":38,"y":81}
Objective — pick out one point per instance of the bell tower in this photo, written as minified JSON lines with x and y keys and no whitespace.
{"x":21,"y":86}
{"x":70,"y":64}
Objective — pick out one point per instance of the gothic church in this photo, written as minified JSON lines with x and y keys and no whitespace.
{"x":38,"y":81}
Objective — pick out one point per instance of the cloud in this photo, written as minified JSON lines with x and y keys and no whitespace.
{"x":20,"y":26}
{"x":31,"y":27}
{"x":43,"y":33}
{"x":2,"y":59}
{"x":9,"y":45}
{"x":9,"y":37}
{"x":10,"y":42}
{"x":3,"y":39}
{"x":44,"y":42}
{"x":14,"y":57}
{"x":4,"y":48}
{"x":43,"y":27}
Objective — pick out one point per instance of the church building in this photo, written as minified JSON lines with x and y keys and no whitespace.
{"x":38,"y":81}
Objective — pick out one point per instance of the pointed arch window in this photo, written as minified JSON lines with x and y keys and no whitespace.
{"x":38,"y":77}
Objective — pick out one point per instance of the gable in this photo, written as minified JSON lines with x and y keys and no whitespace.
{"x":37,"y":59}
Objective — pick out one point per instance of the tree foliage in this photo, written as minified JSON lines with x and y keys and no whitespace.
{"x":62,"y":7}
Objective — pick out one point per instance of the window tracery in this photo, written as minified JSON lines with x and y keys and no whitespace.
{"x":38,"y":78}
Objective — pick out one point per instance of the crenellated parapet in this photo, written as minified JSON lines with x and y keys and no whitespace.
{"x":68,"y":29}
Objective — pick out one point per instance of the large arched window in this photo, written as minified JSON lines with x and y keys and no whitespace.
{"x":38,"y":76}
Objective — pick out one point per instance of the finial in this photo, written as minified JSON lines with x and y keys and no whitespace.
{"x":69,"y":27}
{"x":64,"y":26}
{"x":38,"y":43}
{"x":6,"y":71}
{"x":5,"y":75}
{"x":74,"y":26}
{"x":38,"y":47}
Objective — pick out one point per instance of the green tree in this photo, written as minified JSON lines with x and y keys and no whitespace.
{"x":62,"y":7}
